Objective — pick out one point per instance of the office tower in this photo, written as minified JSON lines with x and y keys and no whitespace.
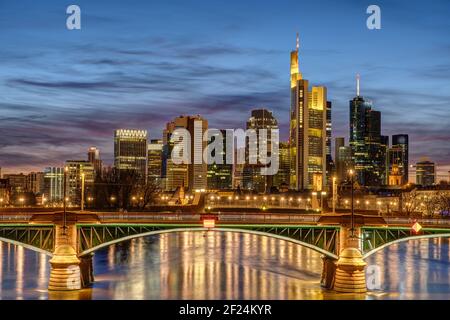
{"x":345,"y":163}
{"x":253,"y":179}
{"x":369,"y":159}
{"x":130,"y":152}
{"x":94,"y":158}
{"x":35,"y":182}
{"x":17,"y":182}
{"x":384,"y":160}
{"x":220,"y":176}
{"x":307,"y":131}
{"x":54,"y":184}
{"x":75,"y":171}
{"x":401,"y":143}
{"x":282,"y":177}
{"x":338,"y":143}
{"x":425,"y":173}
{"x":238,"y":169}
{"x":193,"y":175}
{"x":330,"y":165}
{"x":154,"y":170}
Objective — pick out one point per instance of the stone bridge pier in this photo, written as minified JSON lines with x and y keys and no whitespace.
{"x":69,"y":272}
{"x":347,"y":274}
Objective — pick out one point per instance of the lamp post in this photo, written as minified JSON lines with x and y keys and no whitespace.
{"x":352,"y":179}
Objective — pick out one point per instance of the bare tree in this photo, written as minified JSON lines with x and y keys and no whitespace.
{"x":444,"y":201}
{"x":145,"y":194}
{"x":411,"y":202}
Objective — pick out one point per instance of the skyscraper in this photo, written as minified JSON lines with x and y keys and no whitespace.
{"x":307,"y":131}
{"x":75,"y":171}
{"x":401,"y":143}
{"x":368,"y":157}
{"x":253,"y":180}
{"x":154,"y":171}
{"x":282,"y":177}
{"x":220,"y":175}
{"x":54,"y":184}
{"x":331,"y":167}
{"x":193,"y":175}
{"x":130,"y":151}
{"x":425,"y":173}
{"x":94,"y":158}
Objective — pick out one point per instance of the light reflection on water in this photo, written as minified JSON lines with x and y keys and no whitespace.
{"x":226,"y":265}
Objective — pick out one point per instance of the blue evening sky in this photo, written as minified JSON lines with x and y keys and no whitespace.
{"x":138,"y":64}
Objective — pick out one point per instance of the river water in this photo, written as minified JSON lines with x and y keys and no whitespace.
{"x":225,"y":265}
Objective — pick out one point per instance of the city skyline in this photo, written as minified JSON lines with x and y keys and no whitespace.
{"x":59,"y":115}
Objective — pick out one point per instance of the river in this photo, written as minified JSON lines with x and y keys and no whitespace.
{"x":225,"y":265}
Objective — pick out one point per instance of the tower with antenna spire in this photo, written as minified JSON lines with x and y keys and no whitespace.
{"x":358,"y":77}
{"x":366,"y":142}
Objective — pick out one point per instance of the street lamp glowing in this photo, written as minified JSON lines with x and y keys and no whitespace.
{"x":351,"y":172}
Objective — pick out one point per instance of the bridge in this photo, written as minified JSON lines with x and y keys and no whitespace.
{"x":71,"y":239}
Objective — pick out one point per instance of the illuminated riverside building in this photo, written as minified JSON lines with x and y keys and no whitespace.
{"x":252,"y":178}
{"x":154,"y":162}
{"x":425,"y":173}
{"x":17,"y":182}
{"x":330,"y":165}
{"x":130,"y":151}
{"x":220,"y":175}
{"x":54,"y":184}
{"x":367,"y":145}
{"x":307,"y":136}
{"x":193,"y":175}
{"x":76,"y":169}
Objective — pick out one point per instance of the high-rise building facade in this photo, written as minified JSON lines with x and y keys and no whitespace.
{"x":282,"y":176}
{"x":155,"y":159}
{"x":35,"y":182}
{"x":400,"y":142}
{"x":192,"y":175}
{"x":77,"y":170}
{"x":17,"y":182}
{"x":130,"y":152}
{"x":261,"y":119}
{"x":54,"y":184}
{"x":220,"y":175}
{"x":307,"y":131}
{"x":425,"y":173}
{"x":94,"y":158}
{"x":368,"y":148}
{"x":331,"y":166}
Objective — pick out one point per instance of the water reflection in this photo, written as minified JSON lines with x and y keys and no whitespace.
{"x":415,"y":269}
{"x":211,"y":265}
{"x":226,"y":265}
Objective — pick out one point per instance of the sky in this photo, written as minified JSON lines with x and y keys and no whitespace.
{"x":139,"y":64}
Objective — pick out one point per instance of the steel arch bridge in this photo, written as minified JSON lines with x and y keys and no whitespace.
{"x":323,"y":239}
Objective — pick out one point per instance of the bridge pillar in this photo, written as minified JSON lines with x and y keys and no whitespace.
{"x":328,"y":272}
{"x":87,"y":270}
{"x":65,"y":266}
{"x":350,"y":268}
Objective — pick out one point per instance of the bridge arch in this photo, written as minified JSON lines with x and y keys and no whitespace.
{"x":196,"y":229}
{"x":26,"y":246}
{"x":426,"y":236}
